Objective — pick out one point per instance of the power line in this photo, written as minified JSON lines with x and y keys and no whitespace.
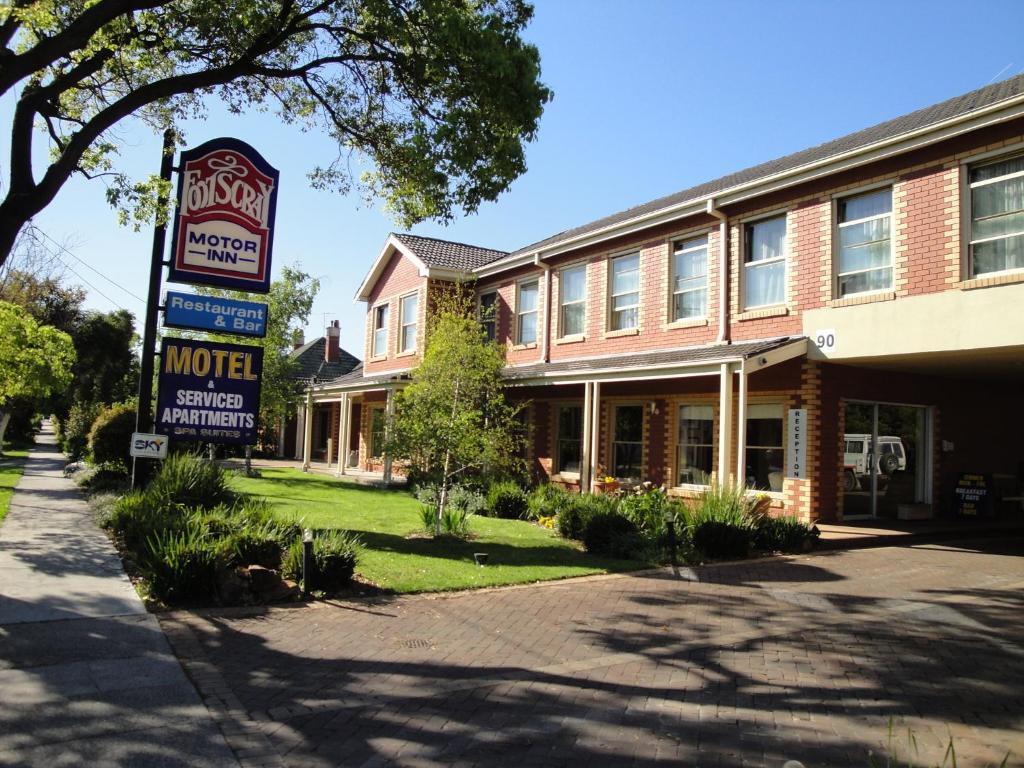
{"x":90,"y":267}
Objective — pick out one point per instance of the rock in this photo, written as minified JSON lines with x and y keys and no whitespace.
{"x":268,"y":586}
{"x":232,"y":586}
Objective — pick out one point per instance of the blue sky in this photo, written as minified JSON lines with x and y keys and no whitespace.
{"x":651,"y":97}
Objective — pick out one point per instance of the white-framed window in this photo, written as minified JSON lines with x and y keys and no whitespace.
{"x":488,"y":314}
{"x":865,"y":243}
{"x":628,"y":442}
{"x":526,"y":312}
{"x":380,"y":330}
{"x":764,"y":262}
{"x":624,"y":293}
{"x":377,"y":431}
{"x":408,"y":308}
{"x":997,"y":215}
{"x":765,"y":452}
{"x":690,"y":278}
{"x":572,"y":300}
{"x":695,"y":444}
{"x":570,"y":438}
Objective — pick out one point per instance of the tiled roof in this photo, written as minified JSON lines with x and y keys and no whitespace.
{"x":708,"y":353}
{"x":310,"y":361}
{"x":448,"y":255}
{"x":890,"y":129}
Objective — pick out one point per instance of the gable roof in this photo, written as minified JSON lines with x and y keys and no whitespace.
{"x":890,"y":129}
{"x":431,"y":257}
{"x":310,"y":362}
{"x":448,"y":255}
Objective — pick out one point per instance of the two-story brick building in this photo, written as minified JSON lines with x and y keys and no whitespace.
{"x":839,"y":328}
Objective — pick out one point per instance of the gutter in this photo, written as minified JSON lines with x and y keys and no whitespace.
{"x":723,"y":271}
{"x":545,"y":350}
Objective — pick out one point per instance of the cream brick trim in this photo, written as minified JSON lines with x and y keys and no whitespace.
{"x":1004,"y":278}
{"x":865,"y":298}
{"x":754,"y":314}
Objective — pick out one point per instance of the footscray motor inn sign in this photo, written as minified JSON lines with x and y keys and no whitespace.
{"x":224,"y":227}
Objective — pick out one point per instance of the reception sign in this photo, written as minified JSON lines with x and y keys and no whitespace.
{"x":209,"y":391}
{"x":224,"y":227}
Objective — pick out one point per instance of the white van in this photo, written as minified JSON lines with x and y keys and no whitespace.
{"x":891,"y":457}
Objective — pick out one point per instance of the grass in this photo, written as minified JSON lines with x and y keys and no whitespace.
{"x":519,"y":552}
{"x":12,"y":464}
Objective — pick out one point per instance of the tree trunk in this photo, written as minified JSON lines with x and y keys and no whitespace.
{"x":443,"y":498}
{"x":10,"y":226}
{"x":4,"y":418}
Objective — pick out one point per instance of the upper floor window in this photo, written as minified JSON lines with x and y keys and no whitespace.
{"x":570,"y":438}
{"x":526,"y":309}
{"x":573,"y":300}
{"x":625,"y":292}
{"x":865,"y":243}
{"x":764,"y":263}
{"x":407,"y":310}
{"x":997,"y":216}
{"x":690,"y":278}
{"x":380,"y":330}
{"x":489,"y":314}
{"x":695,"y":446}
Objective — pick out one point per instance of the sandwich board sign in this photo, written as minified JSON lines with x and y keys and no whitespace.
{"x":224,"y":225}
{"x":215,"y":313}
{"x":147,"y":446}
{"x":209,"y":391}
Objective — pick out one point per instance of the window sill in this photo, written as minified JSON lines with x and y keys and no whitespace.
{"x":575,"y":339}
{"x":622,"y":332}
{"x":692,"y":322}
{"x":520,"y":347}
{"x":780,"y":310}
{"x":996,"y":278}
{"x":566,"y":477}
{"x":867,"y":298}
{"x":377,"y":359}
{"x":410,"y":353}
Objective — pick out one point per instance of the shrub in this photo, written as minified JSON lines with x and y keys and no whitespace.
{"x":507,"y":501}
{"x":648,"y":509}
{"x":548,"y":500}
{"x":181,"y":564}
{"x":134,"y":518}
{"x":428,"y":516}
{"x":610,"y":533}
{"x":782,"y":534}
{"x":720,"y":540}
{"x":192,"y":482}
{"x":720,"y":504}
{"x":106,"y":478}
{"x":73,"y":430}
{"x":335,"y":555}
{"x":111,"y":434}
{"x":574,"y":516}
{"x":466,"y":500}
{"x":455,"y":522}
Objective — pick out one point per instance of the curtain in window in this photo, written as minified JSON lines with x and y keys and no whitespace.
{"x":765,"y":275}
{"x":625,"y":292}
{"x":997,"y":210}
{"x":695,"y":444}
{"x":764,"y":455}
{"x":865,"y":251}
{"x":409,"y":308}
{"x":573,"y":287}
{"x":689,"y":279}
{"x":528,"y":313}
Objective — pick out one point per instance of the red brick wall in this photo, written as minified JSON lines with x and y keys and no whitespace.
{"x":399,"y":278}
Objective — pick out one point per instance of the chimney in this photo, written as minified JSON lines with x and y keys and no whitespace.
{"x":332,"y":351}
{"x":298,"y":338}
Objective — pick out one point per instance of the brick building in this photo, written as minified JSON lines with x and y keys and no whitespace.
{"x":838,"y":328}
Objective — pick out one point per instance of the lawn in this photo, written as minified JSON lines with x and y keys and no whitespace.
{"x":12,"y":463}
{"x":519,"y":552}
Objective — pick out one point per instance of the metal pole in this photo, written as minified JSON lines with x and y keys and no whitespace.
{"x":144,"y":414}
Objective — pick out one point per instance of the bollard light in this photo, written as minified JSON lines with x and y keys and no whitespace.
{"x":307,"y":560}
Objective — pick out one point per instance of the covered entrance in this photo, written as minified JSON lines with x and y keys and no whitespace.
{"x":887,"y":462}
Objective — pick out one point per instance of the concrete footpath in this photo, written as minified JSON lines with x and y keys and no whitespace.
{"x":86,"y":675}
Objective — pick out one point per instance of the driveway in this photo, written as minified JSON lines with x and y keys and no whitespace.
{"x":809,"y":658}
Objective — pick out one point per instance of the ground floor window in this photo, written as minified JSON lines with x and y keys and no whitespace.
{"x":376,"y":433}
{"x":695,"y":446}
{"x":628,"y":445}
{"x":570,"y":438}
{"x":764,"y":457}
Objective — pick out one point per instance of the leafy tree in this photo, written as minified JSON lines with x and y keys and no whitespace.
{"x":288,"y":306}
{"x":44,"y":297}
{"x":438,"y":95}
{"x":452,"y":420}
{"x":107,"y":369}
{"x":35,"y":360}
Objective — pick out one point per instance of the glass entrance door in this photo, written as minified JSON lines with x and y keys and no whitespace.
{"x":885,"y":459}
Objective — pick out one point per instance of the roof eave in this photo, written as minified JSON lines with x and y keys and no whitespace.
{"x":1002,"y":111}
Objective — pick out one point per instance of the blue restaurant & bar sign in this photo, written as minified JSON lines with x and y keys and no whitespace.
{"x":209,"y":391}
{"x":213,"y":313}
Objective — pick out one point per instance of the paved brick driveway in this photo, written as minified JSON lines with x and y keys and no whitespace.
{"x":733,"y":665}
